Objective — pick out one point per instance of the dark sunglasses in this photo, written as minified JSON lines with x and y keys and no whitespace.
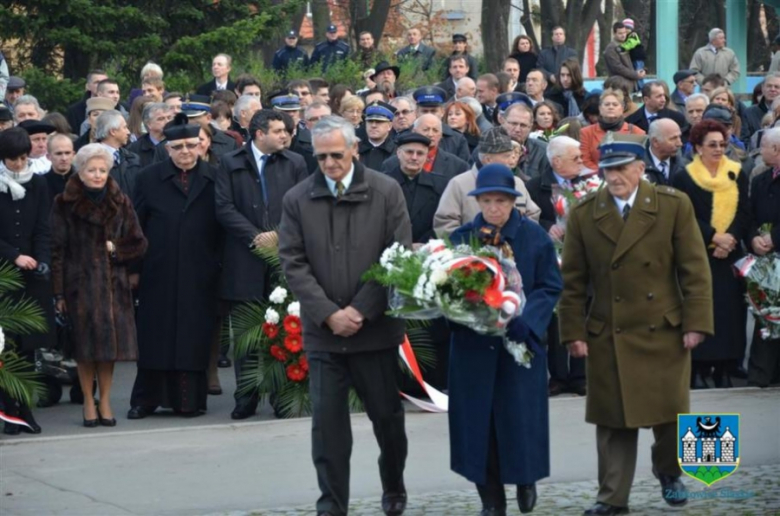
{"x":333,"y":155}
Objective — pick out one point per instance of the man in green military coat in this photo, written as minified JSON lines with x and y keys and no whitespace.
{"x":640,"y":249}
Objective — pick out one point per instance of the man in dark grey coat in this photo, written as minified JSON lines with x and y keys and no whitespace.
{"x":249,"y":191}
{"x":335,"y":225}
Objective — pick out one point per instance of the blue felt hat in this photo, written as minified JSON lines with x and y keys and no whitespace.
{"x":495,"y":178}
{"x":620,"y":149}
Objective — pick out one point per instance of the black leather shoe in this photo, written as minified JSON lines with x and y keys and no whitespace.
{"x":243,"y":411}
{"x":673,"y":490}
{"x":223,"y":362}
{"x":492,"y":511}
{"x":604,"y":509}
{"x":139,"y":413}
{"x":394,"y":504}
{"x":554,"y":389}
{"x":526,"y":498}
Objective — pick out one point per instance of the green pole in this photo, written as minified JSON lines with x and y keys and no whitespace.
{"x":736,"y":39}
{"x":667,"y":39}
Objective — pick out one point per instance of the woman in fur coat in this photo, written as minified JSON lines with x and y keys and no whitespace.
{"x":95,"y":237}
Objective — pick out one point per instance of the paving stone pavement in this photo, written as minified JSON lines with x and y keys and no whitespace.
{"x":750,"y":491}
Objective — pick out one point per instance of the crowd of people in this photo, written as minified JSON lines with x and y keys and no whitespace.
{"x":134,"y":220}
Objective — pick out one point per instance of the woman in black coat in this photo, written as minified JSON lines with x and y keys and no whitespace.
{"x":718,"y":190}
{"x":524,"y":52}
{"x":25,"y":242}
{"x":95,"y":236}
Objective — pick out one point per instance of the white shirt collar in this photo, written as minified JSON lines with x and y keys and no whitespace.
{"x":712,"y":48}
{"x":346,"y":181}
{"x":220,"y":85}
{"x":257,"y":153}
{"x":561,"y":180}
{"x":657,"y":161}
{"x":620,"y":202}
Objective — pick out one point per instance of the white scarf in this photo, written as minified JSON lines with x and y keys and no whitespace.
{"x":12,"y":182}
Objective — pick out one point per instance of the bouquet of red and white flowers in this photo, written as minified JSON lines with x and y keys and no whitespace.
{"x":762,"y":274}
{"x":564,"y":198}
{"x":478,"y":287}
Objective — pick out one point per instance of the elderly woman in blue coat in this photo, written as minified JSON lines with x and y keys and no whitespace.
{"x":498,"y":409}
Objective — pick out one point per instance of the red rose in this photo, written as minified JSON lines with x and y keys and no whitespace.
{"x":292,"y":325}
{"x":472,"y":296}
{"x":303,"y":362}
{"x":293,"y":343}
{"x":278,"y":353}
{"x":296,"y":373}
{"x":270,"y":330}
{"x":493,"y":298}
{"x":478,"y":266}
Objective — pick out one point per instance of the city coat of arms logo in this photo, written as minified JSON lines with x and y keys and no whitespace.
{"x":708,"y":445}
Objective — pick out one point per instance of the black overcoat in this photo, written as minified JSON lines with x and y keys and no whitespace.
{"x":24,"y":229}
{"x":422,"y":205}
{"x":180,"y":272}
{"x":372,"y":156}
{"x":728,"y":290}
{"x":145,"y":149}
{"x":445,"y":164}
{"x":243,"y":215}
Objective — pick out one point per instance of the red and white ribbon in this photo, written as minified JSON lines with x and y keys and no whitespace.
{"x":439,"y":401}
{"x":11,"y":419}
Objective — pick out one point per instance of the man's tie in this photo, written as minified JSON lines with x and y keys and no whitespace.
{"x":567,"y":184}
{"x":261,"y":170}
{"x":662,"y":166}
{"x":626,"y":211}
{"x":339,"y":189}
{"x":117,"y":157}
{"x":651,"y":119}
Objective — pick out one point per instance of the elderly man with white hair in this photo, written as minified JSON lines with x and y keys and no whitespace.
{"x":662,"y":159}
{"x":715,"y":58}
{"x":111,"y":131}
{"x":694,"y":108}
{"x":27,"y":107}
{"x":466,"y":87}
{"x":244,"y":109}
{"x":567,"y":374}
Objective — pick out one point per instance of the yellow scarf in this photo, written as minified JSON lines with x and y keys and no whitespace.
{"x":725,"y":193}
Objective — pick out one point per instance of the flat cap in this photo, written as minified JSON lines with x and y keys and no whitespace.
{"x":718,"y":113}
{"x":36,"y":127}
{"x":5,"y":114}
{"x":495,"y":141}
{"x":16,"y":83}
{"x":681,"y":75}
{"x":459,"y":37}
{"x":101,"y":103}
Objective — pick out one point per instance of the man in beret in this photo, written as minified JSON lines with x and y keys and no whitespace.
{"x":378,"y":146}
{"x":39,"y":133}
{"x":177,"y":314}
{"x":290,"y":54}
{"x":197,"y":108}
{"x":685,"y":85}
{"x":636,"y":252}
{"x":456,"y":207}
{"x":330,"y":51}
{"x":460,"y":48}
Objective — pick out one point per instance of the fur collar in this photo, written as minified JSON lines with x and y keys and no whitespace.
{"x":725,"y":193}
{"x":100,"y":214}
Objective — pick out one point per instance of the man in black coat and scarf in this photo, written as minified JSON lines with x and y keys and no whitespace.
{"x":178,"y":289}
{"x":249,"y":189}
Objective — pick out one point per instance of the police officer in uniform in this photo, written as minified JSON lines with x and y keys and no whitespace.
{"x":378,"y":144}
{"x":330,"y":51}
{"x":290,"y":54}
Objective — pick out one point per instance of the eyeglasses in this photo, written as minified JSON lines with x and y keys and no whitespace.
{"x":713,"y":145}
{"x":336,"y":156}
{"x":403,"y":112}
{"x":180,"y":146}
{"x":515,"y":125}
{"x":314,"y":119}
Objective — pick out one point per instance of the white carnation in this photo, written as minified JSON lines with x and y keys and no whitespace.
{"x":294,"y":308}
{"x":438,"y":276}
{"x":2,"y":340}
{"x":278,"y":295}
{"x":271,"y":316}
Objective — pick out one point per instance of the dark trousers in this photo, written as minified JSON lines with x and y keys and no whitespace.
{"x":617,"y":459}
{"x":492,"y":491}
{"x":373,"y":375}
{"x":764,"y":361}
{"x":564,"y":369}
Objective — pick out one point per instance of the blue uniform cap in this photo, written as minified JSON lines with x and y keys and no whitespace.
{"x":332,"y":29}
{"x":378,"y":112}
{"x":286,"y":102}
{"x":430,"y":96}
{"x":196,"y":105}
{"x":292,"y":34}
{"x":505,"y":100}
{"x":620,"y":149}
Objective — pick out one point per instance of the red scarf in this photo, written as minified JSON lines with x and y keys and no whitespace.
{"x":428,"y":167}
